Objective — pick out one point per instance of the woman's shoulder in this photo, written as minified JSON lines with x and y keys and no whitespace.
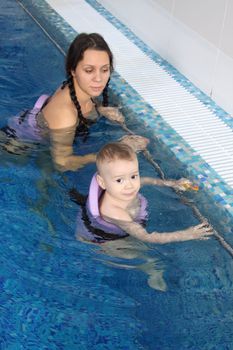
{"x":60,"y":113}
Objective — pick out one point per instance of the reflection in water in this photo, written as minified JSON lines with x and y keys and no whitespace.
{"x":15,"y":146}
{"x":43,"y":186}
{"x":137,"y":252}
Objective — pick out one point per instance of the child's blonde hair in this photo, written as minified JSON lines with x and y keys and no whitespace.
{"x":113,"y":151}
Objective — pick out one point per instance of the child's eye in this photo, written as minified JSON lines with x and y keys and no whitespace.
{"x":133,"y":177}
{"x":120,"y":181}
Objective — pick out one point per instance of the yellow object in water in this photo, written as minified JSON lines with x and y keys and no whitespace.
{"x":192,"y":187}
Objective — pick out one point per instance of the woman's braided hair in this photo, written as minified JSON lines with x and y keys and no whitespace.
{"x":75,"y":54}
{"x":74,"y":99}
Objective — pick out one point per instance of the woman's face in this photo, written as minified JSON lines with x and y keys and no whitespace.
{"x":92,"y":73}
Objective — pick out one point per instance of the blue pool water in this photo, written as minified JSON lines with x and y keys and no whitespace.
{"x":59,"y":293}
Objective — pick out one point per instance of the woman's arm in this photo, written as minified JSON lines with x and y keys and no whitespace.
{"x":62,"y":150}
{"x":61,"y":120}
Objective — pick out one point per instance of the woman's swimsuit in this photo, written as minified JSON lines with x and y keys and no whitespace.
{"x":25,"y":126}
{"x":92,"y":227}
{"x":31,"y":125}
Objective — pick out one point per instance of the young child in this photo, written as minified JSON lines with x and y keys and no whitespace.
{"x":118,"y":176}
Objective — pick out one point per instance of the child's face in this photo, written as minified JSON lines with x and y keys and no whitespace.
{"x":120,"y":178}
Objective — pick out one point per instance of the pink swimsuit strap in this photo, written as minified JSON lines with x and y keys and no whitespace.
{"x":41,"y":100}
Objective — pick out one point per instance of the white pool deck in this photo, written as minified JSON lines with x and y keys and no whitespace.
{"x":201,"y":128}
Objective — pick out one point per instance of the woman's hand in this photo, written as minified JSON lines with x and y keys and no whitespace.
{"x":112,"y":113}
{"x":136,"y":142}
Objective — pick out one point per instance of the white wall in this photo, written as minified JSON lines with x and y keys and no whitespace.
{"x":195,"y":36}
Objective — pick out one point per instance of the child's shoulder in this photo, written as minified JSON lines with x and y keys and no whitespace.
{"x":115,"y":212}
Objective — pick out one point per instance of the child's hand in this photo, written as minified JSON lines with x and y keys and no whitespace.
{"x":112,"y":113}
{"x":201,"y":231}
{"x":184,"y":185}
{"x":136,"y":142}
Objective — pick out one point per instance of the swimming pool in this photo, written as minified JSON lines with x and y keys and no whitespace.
{"x":59,"y":293}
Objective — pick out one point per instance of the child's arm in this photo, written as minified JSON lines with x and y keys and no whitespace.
{"x":201,"y":231}
{"x":181,"y":184}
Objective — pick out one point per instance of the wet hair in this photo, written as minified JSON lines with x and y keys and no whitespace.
{"x":114,"y":151}
{"x":75,"y":54}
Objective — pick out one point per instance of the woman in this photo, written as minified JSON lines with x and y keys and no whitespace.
{"x":89,"y":64}
{"x":73,"y":107}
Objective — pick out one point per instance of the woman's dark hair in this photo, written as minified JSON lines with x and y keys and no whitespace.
{"x":75,"y":54}
{"x":80,"y":44}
